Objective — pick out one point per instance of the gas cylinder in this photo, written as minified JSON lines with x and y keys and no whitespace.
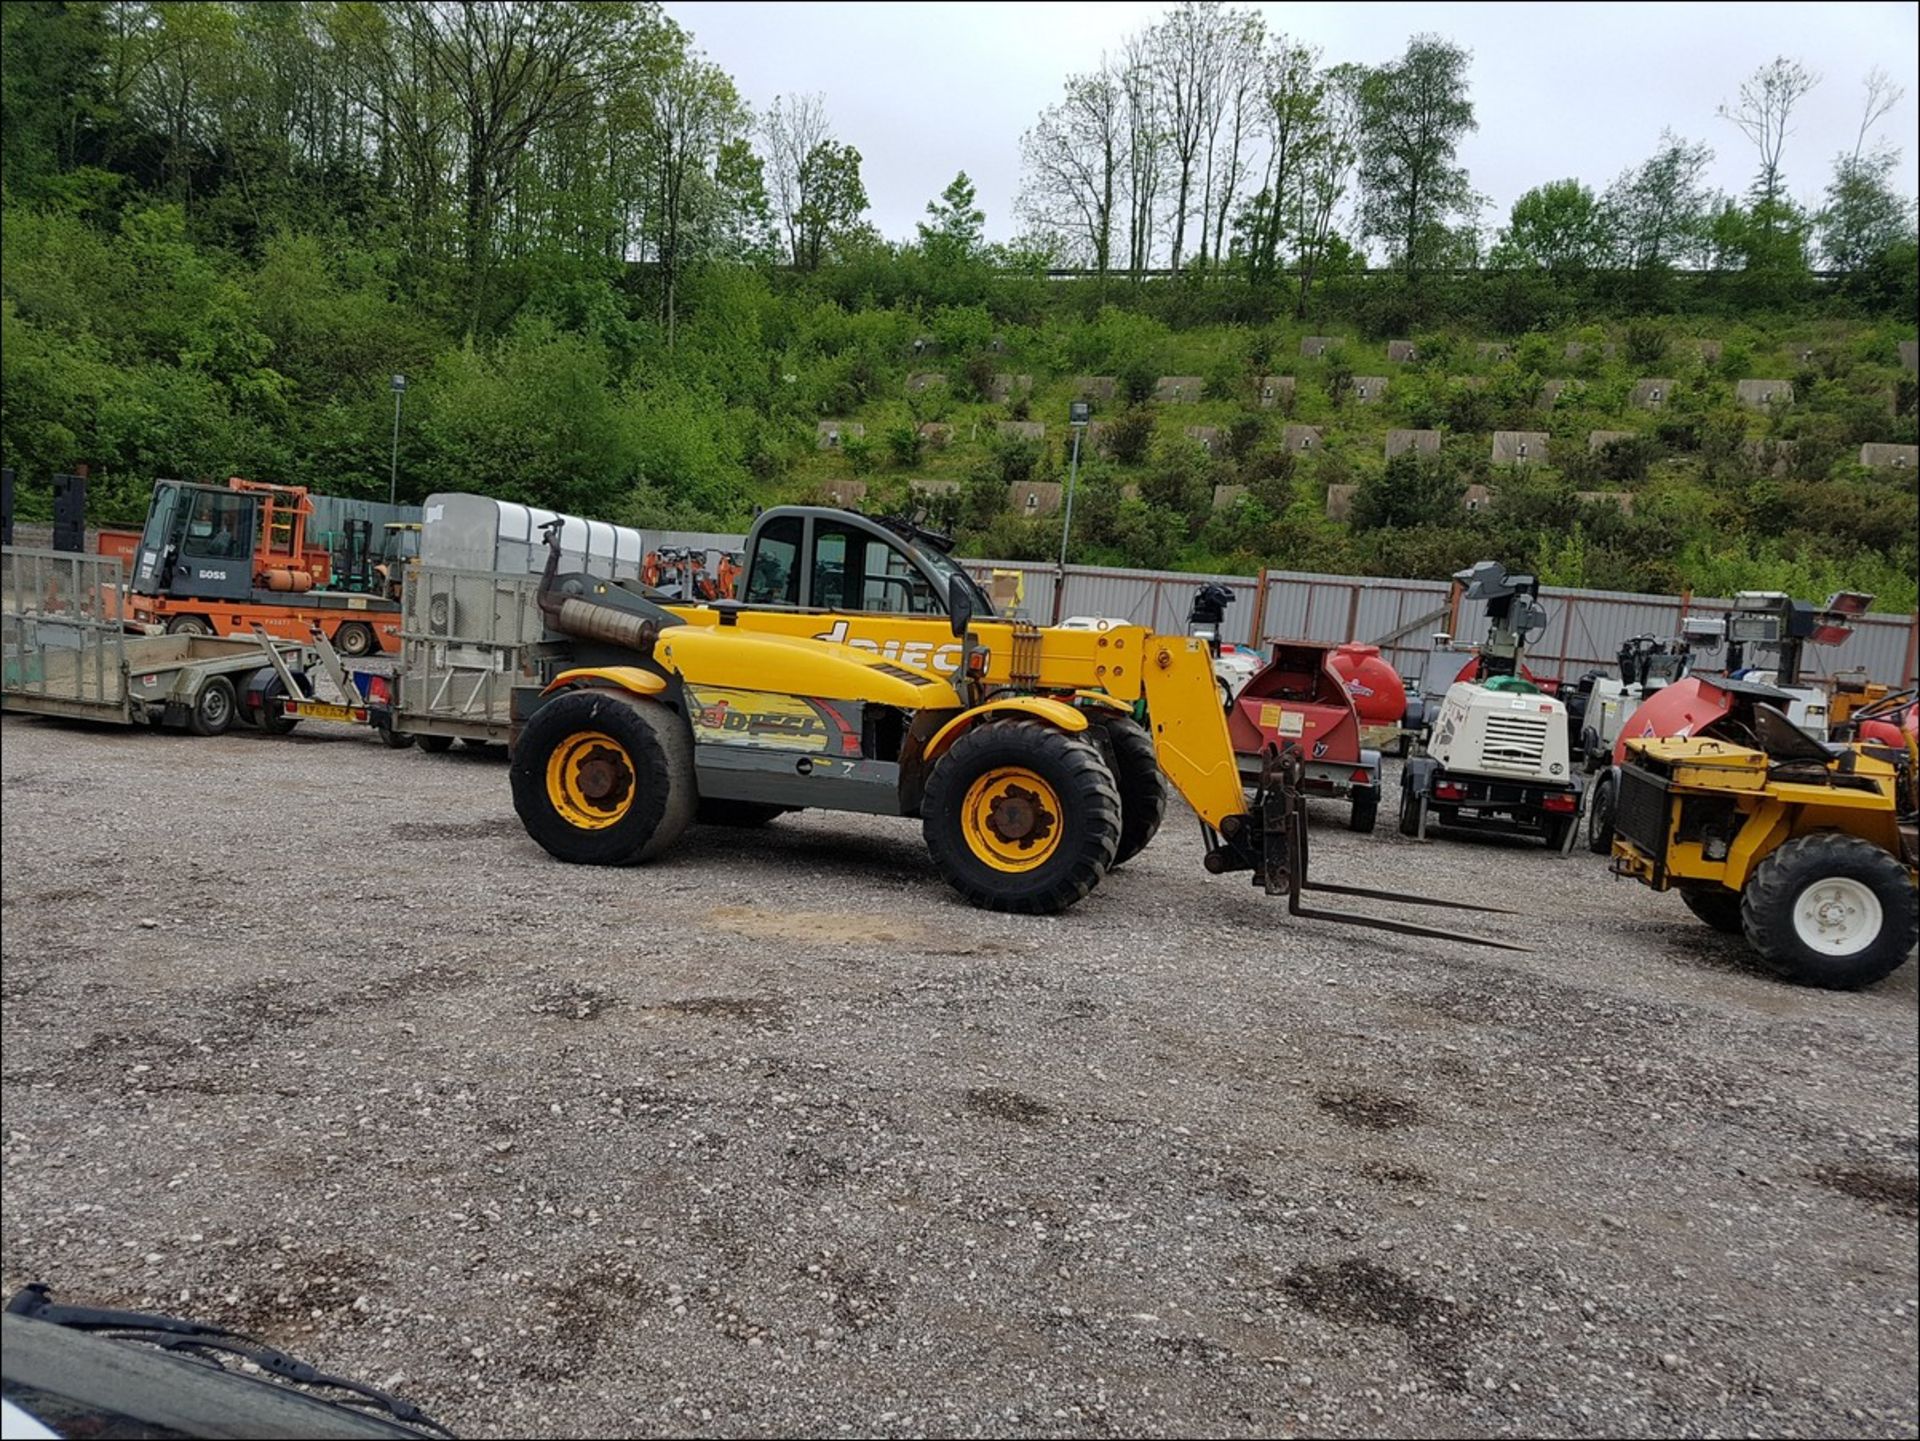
{"x":1377,"y":691}
{"x":284,"y":579}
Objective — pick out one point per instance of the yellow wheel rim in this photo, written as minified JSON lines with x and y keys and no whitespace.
{"x":1012,"y":819}
{"x":590,"y":780}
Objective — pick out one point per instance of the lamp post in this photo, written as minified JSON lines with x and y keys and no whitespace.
{"x":399,"y":387}
{"x":1078,"y":413}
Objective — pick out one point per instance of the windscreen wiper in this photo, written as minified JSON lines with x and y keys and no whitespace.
{"x":35,"y":1302}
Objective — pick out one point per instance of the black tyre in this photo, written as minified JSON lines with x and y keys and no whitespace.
{"x":435,"y":745}
{"x":1366,"y":809}
{"x":213,"y":708}
{"x":476,"y":743}
{"x":1719,"y":909}
{"x":1558,"y":830}
{"x":189,"y":625}
{"x":1412,"y":820}
{"x":715,"y":812}
{"x":601,"y":778}
{"x":1021,"y":817}
{"x":393,"y":739}
{"x":1830,"y":910}
{"x":440,"y":615}
{"x":355,"y":639}
{"x":1143,"y":789}
{"x":1600,"y":814}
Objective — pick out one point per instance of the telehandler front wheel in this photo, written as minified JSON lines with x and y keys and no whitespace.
{"x":601,"y":778}
{"x":1830,"y":910}
{"x":1136,"y":773}
{"x":1021,"y":817}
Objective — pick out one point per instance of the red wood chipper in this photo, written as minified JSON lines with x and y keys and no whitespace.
{"x":1301,"y":699}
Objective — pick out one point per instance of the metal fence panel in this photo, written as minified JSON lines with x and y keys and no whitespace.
{"x":467,"y":638}
{"x":62,"y":627}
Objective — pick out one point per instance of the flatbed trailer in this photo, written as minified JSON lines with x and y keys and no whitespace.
{"x":65,"y":650}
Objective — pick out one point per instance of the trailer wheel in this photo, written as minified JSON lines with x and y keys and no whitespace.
{"x":435,"y":745}
{"x":393,"y":739}
{"x":1413,"y":814}
{"x":1830,"y":910}
{"x":1557,"y":831}
{"x":189,"y":625}
{"x":1366,"y":809}
{"x":712,"y":811}
{"x":603,"y":779}
{"x":213,"y":708}
{"x":1143,"y":789}
{"x":355,"y":639}
{"x":1021,"y":817}
{"x":1718,"y":908}
{"x":1600,"y":814}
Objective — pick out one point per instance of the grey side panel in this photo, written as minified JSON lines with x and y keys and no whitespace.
{"x":782,"y":778}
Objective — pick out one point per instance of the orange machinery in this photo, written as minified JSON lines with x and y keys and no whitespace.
{"x":220,"y":560}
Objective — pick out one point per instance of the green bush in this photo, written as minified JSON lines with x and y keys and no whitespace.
{"x":905,"y":443}
{"x":1128,"y":437}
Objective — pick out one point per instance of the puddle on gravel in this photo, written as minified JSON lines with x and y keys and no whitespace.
{"x":1368,"y":1110}
{"x":1358,"y":1292}
{"x":1899,"y":1194}
{"x":818,"y":928}
{"x":1007,"y":1105}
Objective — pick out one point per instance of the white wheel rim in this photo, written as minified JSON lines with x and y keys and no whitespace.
{"x":1837,"y":916}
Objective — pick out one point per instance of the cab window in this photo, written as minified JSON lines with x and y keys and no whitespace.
{"x":775,"y":577}
{"x":856,"y":570}
{"x":219,"y":525}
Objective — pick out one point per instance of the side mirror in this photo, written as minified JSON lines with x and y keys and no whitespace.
{"x":959,"y":605}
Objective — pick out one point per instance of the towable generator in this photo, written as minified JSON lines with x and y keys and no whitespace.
{"x":863,"y":671}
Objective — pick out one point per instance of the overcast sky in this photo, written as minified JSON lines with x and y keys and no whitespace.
{"x":924,"y":90}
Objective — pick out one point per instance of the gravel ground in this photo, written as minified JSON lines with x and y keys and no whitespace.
{"x":305,"y":1037}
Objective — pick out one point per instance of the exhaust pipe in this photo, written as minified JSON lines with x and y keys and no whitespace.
{"x":587,"y":619}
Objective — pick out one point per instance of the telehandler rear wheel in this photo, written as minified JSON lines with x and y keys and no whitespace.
{"x":1830,"y":910}
{"x":601,"y":778}
{"x":1143,"y":789}
{"x":1022,"y":817}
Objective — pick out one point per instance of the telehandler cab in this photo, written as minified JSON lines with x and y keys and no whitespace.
{"x":863,"y":670}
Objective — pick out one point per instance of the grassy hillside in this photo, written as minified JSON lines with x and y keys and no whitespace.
{"x":1722,"y":495}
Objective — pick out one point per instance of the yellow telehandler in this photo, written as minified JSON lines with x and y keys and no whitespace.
{"x":863,"y":670}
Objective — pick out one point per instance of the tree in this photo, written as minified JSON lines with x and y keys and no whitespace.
{"x":1236,"y":112}
{"x":834,"y":200}
{"x":793,"y":128}
{"x":1659,"y":210}
{"x":955,"y":234}
{"x":1865,"y":216}
{"x":1414,"y":113}
{"x":1188,"y":54}
{"x":1328,"y":151}
{"x":1291,"y":96}
{"x":515,"y":70}
{"x":1764,"y":114}
{"x":1558,"y":226}
{"x":1146,"y":149}
{"x":1074,"y":160}
{"x":695,"y":113}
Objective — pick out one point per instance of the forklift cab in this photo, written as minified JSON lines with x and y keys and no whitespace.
{"x":816,"y":558}
{"x":198,"y":542}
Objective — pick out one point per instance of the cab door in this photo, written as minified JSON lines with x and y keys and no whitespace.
{"x":212,"y":551}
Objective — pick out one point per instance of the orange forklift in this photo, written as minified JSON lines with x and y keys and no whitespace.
{"x":222,"y":560}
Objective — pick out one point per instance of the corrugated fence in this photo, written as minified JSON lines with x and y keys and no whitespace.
{"x":1584,"y":631}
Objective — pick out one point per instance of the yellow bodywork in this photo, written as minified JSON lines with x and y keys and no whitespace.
{"x":626,"y":677}
{"x":1056,"y":713}
{"x":747,"y":658}
{"x":1771,"y":809}
{"x":1112,"y":668}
